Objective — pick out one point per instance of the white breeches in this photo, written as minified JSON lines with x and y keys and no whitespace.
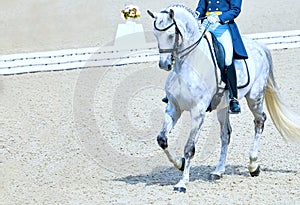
{"x":223,"y":35}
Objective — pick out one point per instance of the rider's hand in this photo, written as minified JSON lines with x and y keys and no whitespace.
{"x":203,"y":24}
{"x":213,"y":18}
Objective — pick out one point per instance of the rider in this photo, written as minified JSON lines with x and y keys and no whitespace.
{"x":220,"y":15}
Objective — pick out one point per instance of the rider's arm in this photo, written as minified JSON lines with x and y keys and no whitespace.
{"x":232,"y":13}
{"x":202,"y":7}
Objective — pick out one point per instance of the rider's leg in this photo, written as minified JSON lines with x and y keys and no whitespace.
{"x":224,"y":37}
{"x":232,"y":84}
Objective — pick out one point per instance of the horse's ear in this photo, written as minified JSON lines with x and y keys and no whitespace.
{"x":171,"y":14}
{"x":151,"y":14}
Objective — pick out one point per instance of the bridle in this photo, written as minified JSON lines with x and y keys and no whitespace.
{"x":175,"y":50}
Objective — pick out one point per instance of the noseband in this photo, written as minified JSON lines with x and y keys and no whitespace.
{"x":175,"y":49}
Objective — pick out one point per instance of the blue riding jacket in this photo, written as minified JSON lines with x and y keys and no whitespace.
{"x":227,"y":10}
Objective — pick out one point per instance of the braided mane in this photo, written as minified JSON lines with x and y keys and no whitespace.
{"x":178,"y":5}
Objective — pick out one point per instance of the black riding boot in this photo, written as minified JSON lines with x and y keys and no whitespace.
{"x":232,"y":86}
{"x":165,"y":100}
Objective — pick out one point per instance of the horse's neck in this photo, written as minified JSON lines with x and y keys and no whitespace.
{"x":199,"y":62}
{"x":192,"y":31}
{"x":200,"y":56}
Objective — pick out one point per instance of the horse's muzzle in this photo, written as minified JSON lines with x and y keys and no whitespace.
{"x":167,"y":67}
{"x":166,"y":63}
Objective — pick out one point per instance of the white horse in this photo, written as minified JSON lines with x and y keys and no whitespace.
{"x":193,"y":83}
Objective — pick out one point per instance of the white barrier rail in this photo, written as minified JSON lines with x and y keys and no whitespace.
{"x":278,"y":40}
{"x":114,"y":56}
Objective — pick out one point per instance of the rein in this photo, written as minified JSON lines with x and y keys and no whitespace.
{"x":194,"y":45}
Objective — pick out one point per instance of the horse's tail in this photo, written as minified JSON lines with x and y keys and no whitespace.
{"x":286,"y":121}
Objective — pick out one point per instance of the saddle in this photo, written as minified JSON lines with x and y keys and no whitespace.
{"x":218,"y":55}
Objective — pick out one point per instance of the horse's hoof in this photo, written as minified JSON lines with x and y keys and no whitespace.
{"x":256,"y":172}
{"x":214,"y":177}
{"x":182,"y":164}
{"x":180,"y":189}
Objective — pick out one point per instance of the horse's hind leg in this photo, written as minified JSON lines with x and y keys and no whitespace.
{"x":256,"y":107}
{"x":172,"y":114}
{"x":223,"y":118}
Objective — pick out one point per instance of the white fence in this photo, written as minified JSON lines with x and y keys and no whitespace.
{"x":113,"y":56}
{"x":278,"y":40}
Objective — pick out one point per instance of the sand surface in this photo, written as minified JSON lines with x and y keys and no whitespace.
{"x":89,"y":136}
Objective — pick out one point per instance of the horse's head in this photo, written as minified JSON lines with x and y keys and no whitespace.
{"x":165,"y":32}
{"x":170,"y":28}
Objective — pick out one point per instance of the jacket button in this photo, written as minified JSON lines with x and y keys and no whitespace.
{"x":209,"y":9}
{"x":217,"y":9}
{"x":218,"y":2}
{"x":209,"y":2}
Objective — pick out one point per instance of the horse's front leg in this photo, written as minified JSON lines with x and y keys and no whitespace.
{"x":197,"y":117}
{"x":172,"y":114}
{"x":223,"y":118}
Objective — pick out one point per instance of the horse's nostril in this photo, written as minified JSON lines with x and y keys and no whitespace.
{"x":169,"y":67}
{"x":160,"y":65}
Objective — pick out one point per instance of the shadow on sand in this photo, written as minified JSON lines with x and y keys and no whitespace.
{"x":169,"y":175}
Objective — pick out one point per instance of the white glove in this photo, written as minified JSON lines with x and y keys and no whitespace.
{"x":204,"y":24}
{"x":207,"y":25}
{"x":213,"y":18}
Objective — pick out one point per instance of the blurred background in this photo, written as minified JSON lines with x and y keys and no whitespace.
{"x":41,"y":25}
